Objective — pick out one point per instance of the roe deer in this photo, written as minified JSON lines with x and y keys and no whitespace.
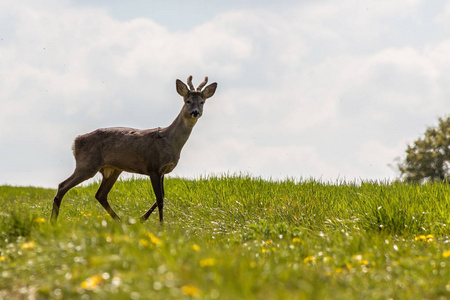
{"x":152,"y":152}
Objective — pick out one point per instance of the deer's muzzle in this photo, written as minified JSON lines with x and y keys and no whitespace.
{"x":195,"y":114}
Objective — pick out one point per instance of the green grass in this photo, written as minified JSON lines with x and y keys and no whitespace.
{"x":233,"y":237}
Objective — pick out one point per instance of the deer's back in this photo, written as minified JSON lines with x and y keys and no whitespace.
{"x":128,"y":149}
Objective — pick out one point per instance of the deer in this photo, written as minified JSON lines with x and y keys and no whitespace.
{"x":150,"y":152}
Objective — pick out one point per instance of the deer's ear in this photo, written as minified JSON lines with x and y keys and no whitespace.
{"x":182,"y":89}
{"x":209,"y":90}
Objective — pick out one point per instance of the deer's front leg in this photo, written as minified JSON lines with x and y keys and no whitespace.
{"x":158,"y":187}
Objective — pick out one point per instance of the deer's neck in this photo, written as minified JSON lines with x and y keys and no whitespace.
{"x":179,"y":131}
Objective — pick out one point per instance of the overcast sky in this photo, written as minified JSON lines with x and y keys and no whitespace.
{"x":326,"y":89}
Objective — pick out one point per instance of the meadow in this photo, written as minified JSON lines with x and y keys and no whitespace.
{"x":229,"y":237}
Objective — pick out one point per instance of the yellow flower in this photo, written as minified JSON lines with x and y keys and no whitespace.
{"x":343,"y":268}
{"x":92,"y":282}
{"x":154,"y":239}
{"x":144,"y":242}
{"x":28,"y":245}
{"x":425,"y":238}
{"x":39,"y":220}
{"x":269,"y":242}
{"x":296,"y":240}
{"x":195,"y":247}
{"x":207,"y":262}
{"x":190,"y":290}
{"x":420,"y":238}
{"x":309,"y":259}
{"x":2,"y":258}
{"x":360,"y":260}
{"x":446,"y":254}
{"x":364,"y":262}
{"x":357,"y":257}
{"x":420,"y":257}
{"x":327,"y":259}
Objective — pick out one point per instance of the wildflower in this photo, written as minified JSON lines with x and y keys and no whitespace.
{"x":309,"y":259}
{"x":92,"y":282}
{"x":446,"y":254}
{"x":108,"y":238}
{"x":425,"y":238}
{"x":39,"y":220}
{"x":296,"y":240}
{"x":269,"y":242}
{"x":195,"y":247}
{"x":421,"y":257}
{"x":357,"y":257}
{"x":116,"y":281}
{"x":420,"y":238}
{"x":267,"y":250}
{"x":327,"y":259}
{"x":28,"y":245}
{"x":343,"y":268}
{"x":207,"y":262}
{"x":2,"y":258}
{"x":144,"y":242}
{"x":190,"y":290}
{"x":364,"y":262}
{"x":154,"y":239}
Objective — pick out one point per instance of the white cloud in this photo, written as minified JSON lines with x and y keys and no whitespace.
{"x":231,"y":155}
{"x":443,"y":17}
{"x":373,"y":155}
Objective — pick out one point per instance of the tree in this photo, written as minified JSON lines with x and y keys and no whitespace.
{"x":428,"y":159}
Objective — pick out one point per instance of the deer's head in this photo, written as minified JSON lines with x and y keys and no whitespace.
{"x":194,"y":98}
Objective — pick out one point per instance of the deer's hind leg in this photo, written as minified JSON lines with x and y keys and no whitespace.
{"x":110,"y":176}
{"x":79,"y":175}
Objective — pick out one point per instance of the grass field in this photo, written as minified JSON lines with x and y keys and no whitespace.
{"x":232,"y":237}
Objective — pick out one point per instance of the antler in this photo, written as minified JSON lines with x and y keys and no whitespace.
{"x":189,"y":82}
{"x":201,"y":85}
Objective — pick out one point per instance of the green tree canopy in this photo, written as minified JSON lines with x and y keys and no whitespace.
{"x":428,"y":158}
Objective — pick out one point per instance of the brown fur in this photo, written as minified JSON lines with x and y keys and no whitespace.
{"x":152,"y":152}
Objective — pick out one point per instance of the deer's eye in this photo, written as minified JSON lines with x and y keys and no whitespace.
{"x":188,"y":102}
{"x":202,"y":102}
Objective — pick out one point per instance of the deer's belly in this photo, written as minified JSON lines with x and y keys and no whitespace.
{"x":167,"y":168}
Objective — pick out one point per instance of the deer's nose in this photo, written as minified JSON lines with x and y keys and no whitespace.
{"x":195,"y":113}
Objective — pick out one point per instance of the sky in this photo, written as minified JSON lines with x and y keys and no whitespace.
{"x":330,"y":90}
